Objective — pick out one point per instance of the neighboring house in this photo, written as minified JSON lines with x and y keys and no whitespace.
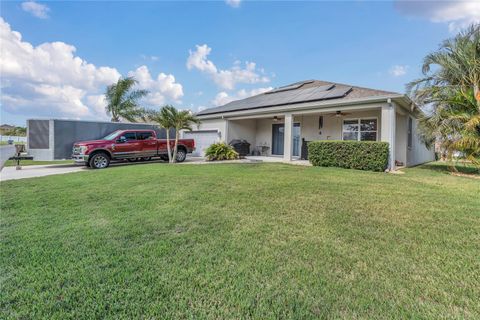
{"x":6,"y":127}
{"x":280,"y":122}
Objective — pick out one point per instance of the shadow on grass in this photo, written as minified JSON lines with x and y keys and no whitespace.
{"x":444,"y":167}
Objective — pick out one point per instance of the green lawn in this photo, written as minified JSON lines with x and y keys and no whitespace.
{"x":4,"y":143}
{"x":264,"y":241}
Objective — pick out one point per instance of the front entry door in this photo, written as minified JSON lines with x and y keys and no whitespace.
{"x":278,"y":130}
{"x":296,"y":140}
{"x":278,"y":136}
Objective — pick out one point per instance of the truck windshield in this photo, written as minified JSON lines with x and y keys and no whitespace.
{"x":112,"y":135}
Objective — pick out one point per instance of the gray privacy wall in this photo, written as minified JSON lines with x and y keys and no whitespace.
{"x":54,"y":139}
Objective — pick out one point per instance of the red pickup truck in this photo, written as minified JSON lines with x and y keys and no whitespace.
{"x":131,"y":145}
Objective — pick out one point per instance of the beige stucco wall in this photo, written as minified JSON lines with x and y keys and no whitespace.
{"x":419,"y":153}
{"x":332,"y":125}
{"x":242,"y":129}
{"x":214,"y":124}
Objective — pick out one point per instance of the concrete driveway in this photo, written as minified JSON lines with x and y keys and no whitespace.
{"x":10,"y":173}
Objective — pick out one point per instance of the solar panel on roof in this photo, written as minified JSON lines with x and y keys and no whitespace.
{"x":337,"y":92}
{"x":290,"y":87}
{"x":325,"y":87}
{"x":307,"y":95}
{"x":282,"y":98}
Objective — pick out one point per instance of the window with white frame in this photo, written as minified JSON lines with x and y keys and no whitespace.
{"x":360,"y":129}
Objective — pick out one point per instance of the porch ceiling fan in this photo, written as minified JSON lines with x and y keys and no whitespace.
{"x":337,"y":114}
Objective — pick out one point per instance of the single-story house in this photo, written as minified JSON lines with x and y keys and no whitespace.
{"x":280,"y":122}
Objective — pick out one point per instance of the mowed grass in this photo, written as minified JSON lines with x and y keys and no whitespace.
{"x":263,"y":241}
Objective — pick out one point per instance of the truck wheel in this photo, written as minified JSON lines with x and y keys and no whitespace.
{"x":99,"y":161}
{"x":146,"y":158}
{"x":87,"y":164}
{"x":181,"y":155}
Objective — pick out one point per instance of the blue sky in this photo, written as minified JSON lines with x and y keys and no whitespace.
{"x":201,"y":54}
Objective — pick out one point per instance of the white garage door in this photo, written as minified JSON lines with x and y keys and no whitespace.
{"x":203,"y":139}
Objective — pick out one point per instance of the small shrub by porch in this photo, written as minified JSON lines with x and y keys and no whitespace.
{"x":220,"y":151}
{"x":361,"y":155}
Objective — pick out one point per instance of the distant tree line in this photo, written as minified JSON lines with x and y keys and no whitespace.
{"x":13,"y":131}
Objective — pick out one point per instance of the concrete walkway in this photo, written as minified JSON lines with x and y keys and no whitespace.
{"x":248,"y":159}
{"x":278,"y":160}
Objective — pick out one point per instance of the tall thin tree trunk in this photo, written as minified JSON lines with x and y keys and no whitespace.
{"x":168,"y":145}
{"x":175,"y":147}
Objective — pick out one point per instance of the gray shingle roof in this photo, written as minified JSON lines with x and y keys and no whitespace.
{"x":299,"y":92}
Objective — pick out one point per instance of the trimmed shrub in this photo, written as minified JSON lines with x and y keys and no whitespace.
{"x":361,"y":155}
{"x":220,"y":151}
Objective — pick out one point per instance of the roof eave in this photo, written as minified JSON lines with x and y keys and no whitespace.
{"x":321,"y":104}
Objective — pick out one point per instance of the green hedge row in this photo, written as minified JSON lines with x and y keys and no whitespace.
{"x":361,"y":155}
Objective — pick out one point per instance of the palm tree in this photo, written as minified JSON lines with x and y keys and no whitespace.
{"x":164,"y":120}
{"x":182,"y":120}
{"x":122,"y":100}
{"x":170,"y":118}
{"x":449,"y":93}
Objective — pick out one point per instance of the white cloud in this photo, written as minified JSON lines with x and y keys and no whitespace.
{"x":223,"y":97}
{"x":49,"y":80}
{"x":398,"y":70}
{"x":36,"y":9}
{"x":225,"y":79}
{"x":458,"y":14}
{"x":233,"y":3}
{"x":97,"y":103}
{"x":198,"y":60}
{"x":162,"y":89}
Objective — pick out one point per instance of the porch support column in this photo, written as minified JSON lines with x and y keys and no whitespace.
{"x":287,"y":142}
{"x":225,"y":130}
{"x":388,"y":131}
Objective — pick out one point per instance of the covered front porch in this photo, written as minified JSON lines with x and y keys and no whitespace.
{"x":285,"y":135}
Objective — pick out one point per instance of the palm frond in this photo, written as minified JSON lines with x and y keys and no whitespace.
{"x":122,"y":100}
{"x":450,"y":88}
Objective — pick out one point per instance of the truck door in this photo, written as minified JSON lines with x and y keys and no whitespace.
{"x":127,"y":146}
{"x":149,"y":143}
